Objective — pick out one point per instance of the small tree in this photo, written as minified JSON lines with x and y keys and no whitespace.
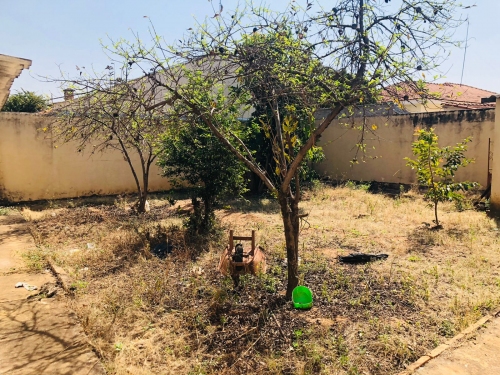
{"x":436,"y":168}
{"x":25,"y":101}
{"x":113,"y":113}
{"x":191,"y":153}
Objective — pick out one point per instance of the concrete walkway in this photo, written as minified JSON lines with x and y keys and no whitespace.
{"x":479,"y":356}
{"x":36,"y":336}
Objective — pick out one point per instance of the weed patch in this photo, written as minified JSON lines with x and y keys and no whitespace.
{"x":35,"y":259}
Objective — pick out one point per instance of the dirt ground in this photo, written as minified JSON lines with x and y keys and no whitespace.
{"x":38,"y":335}
{"x":176,"y":315}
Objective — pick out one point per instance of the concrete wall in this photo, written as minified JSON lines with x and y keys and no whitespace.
{"x":391,"y":142}
{"x":416,"y":106}
{"x":495,"y":183}
{"x":32,"y":169}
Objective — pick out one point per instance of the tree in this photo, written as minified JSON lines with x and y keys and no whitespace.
{"x":190,"y":153}
{"x":25,"y":101}
{"x":114,"y":113}
{"x":343,"y":56}
{"x":436,"y":168}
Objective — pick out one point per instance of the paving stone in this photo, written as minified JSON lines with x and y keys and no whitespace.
{"x":480,"y":356}
{"x":437,"y":351}
{"x":36,"y":336}
{"x":415,"y":365}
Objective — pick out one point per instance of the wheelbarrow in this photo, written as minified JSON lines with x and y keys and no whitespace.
{"x":235,"y":261}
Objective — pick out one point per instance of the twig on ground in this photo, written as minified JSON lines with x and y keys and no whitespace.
{"x":246,"y":351}
{"x":244,"y":334}
{"x":279,"y":326}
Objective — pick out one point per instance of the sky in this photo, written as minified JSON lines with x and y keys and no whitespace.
{"x":62,"y":34}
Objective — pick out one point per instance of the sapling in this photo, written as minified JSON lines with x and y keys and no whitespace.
{"x":436,"y":168}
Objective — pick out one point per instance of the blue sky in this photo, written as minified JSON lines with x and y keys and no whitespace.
{"x":58,"y":34}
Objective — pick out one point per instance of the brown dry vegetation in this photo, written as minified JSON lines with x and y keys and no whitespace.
{"x":144,"y":315}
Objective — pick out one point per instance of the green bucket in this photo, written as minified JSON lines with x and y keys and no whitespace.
{"x":302,"y":297}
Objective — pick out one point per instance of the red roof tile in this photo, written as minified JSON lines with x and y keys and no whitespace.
{"x":468,"y":105}
{"x":451,"y":94}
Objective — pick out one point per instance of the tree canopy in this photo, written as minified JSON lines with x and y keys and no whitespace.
{"x":120,"y":114}
{"x":436,"y":168}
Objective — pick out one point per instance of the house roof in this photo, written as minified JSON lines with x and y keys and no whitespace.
{"x":468,"y":105}
{"x":10,"y":68}
{"x":449,"y":94}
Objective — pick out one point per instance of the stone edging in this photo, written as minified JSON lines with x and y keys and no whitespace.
{"x":60,"y":275}
{"x":448,"y":344}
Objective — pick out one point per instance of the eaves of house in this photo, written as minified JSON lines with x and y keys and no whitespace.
{"x":10,"y":68}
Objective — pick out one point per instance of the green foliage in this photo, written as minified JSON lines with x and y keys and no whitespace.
{"x":436,"y":168}
{"x":191,"y":154}
{"x":447,"y":328}
{"x":280,"y":127}
{"x":35,"y":259}
{"x":357,"y":186}
{"x":25,"y":101}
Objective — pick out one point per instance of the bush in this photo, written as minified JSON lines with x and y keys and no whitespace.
{"x":191,"y":154}
{"x":25,"y":101}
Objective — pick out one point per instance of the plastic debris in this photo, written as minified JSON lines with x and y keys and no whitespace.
{"x":26,"y":286}
{"x":197,"y":271}
{"x":359,"y":258}
{"x":162,"y":249}
{"x":302,"y":297}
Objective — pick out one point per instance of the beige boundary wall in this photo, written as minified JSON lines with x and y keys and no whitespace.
{"x":391,"y":142}
{"x":495,"y":184}
{"x":32,"y":169}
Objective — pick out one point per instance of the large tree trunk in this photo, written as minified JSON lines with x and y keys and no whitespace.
{"x":290,"y":215}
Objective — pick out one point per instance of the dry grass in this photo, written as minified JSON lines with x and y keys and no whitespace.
{"x":179,"y":316}
{"x":4,"y":211}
